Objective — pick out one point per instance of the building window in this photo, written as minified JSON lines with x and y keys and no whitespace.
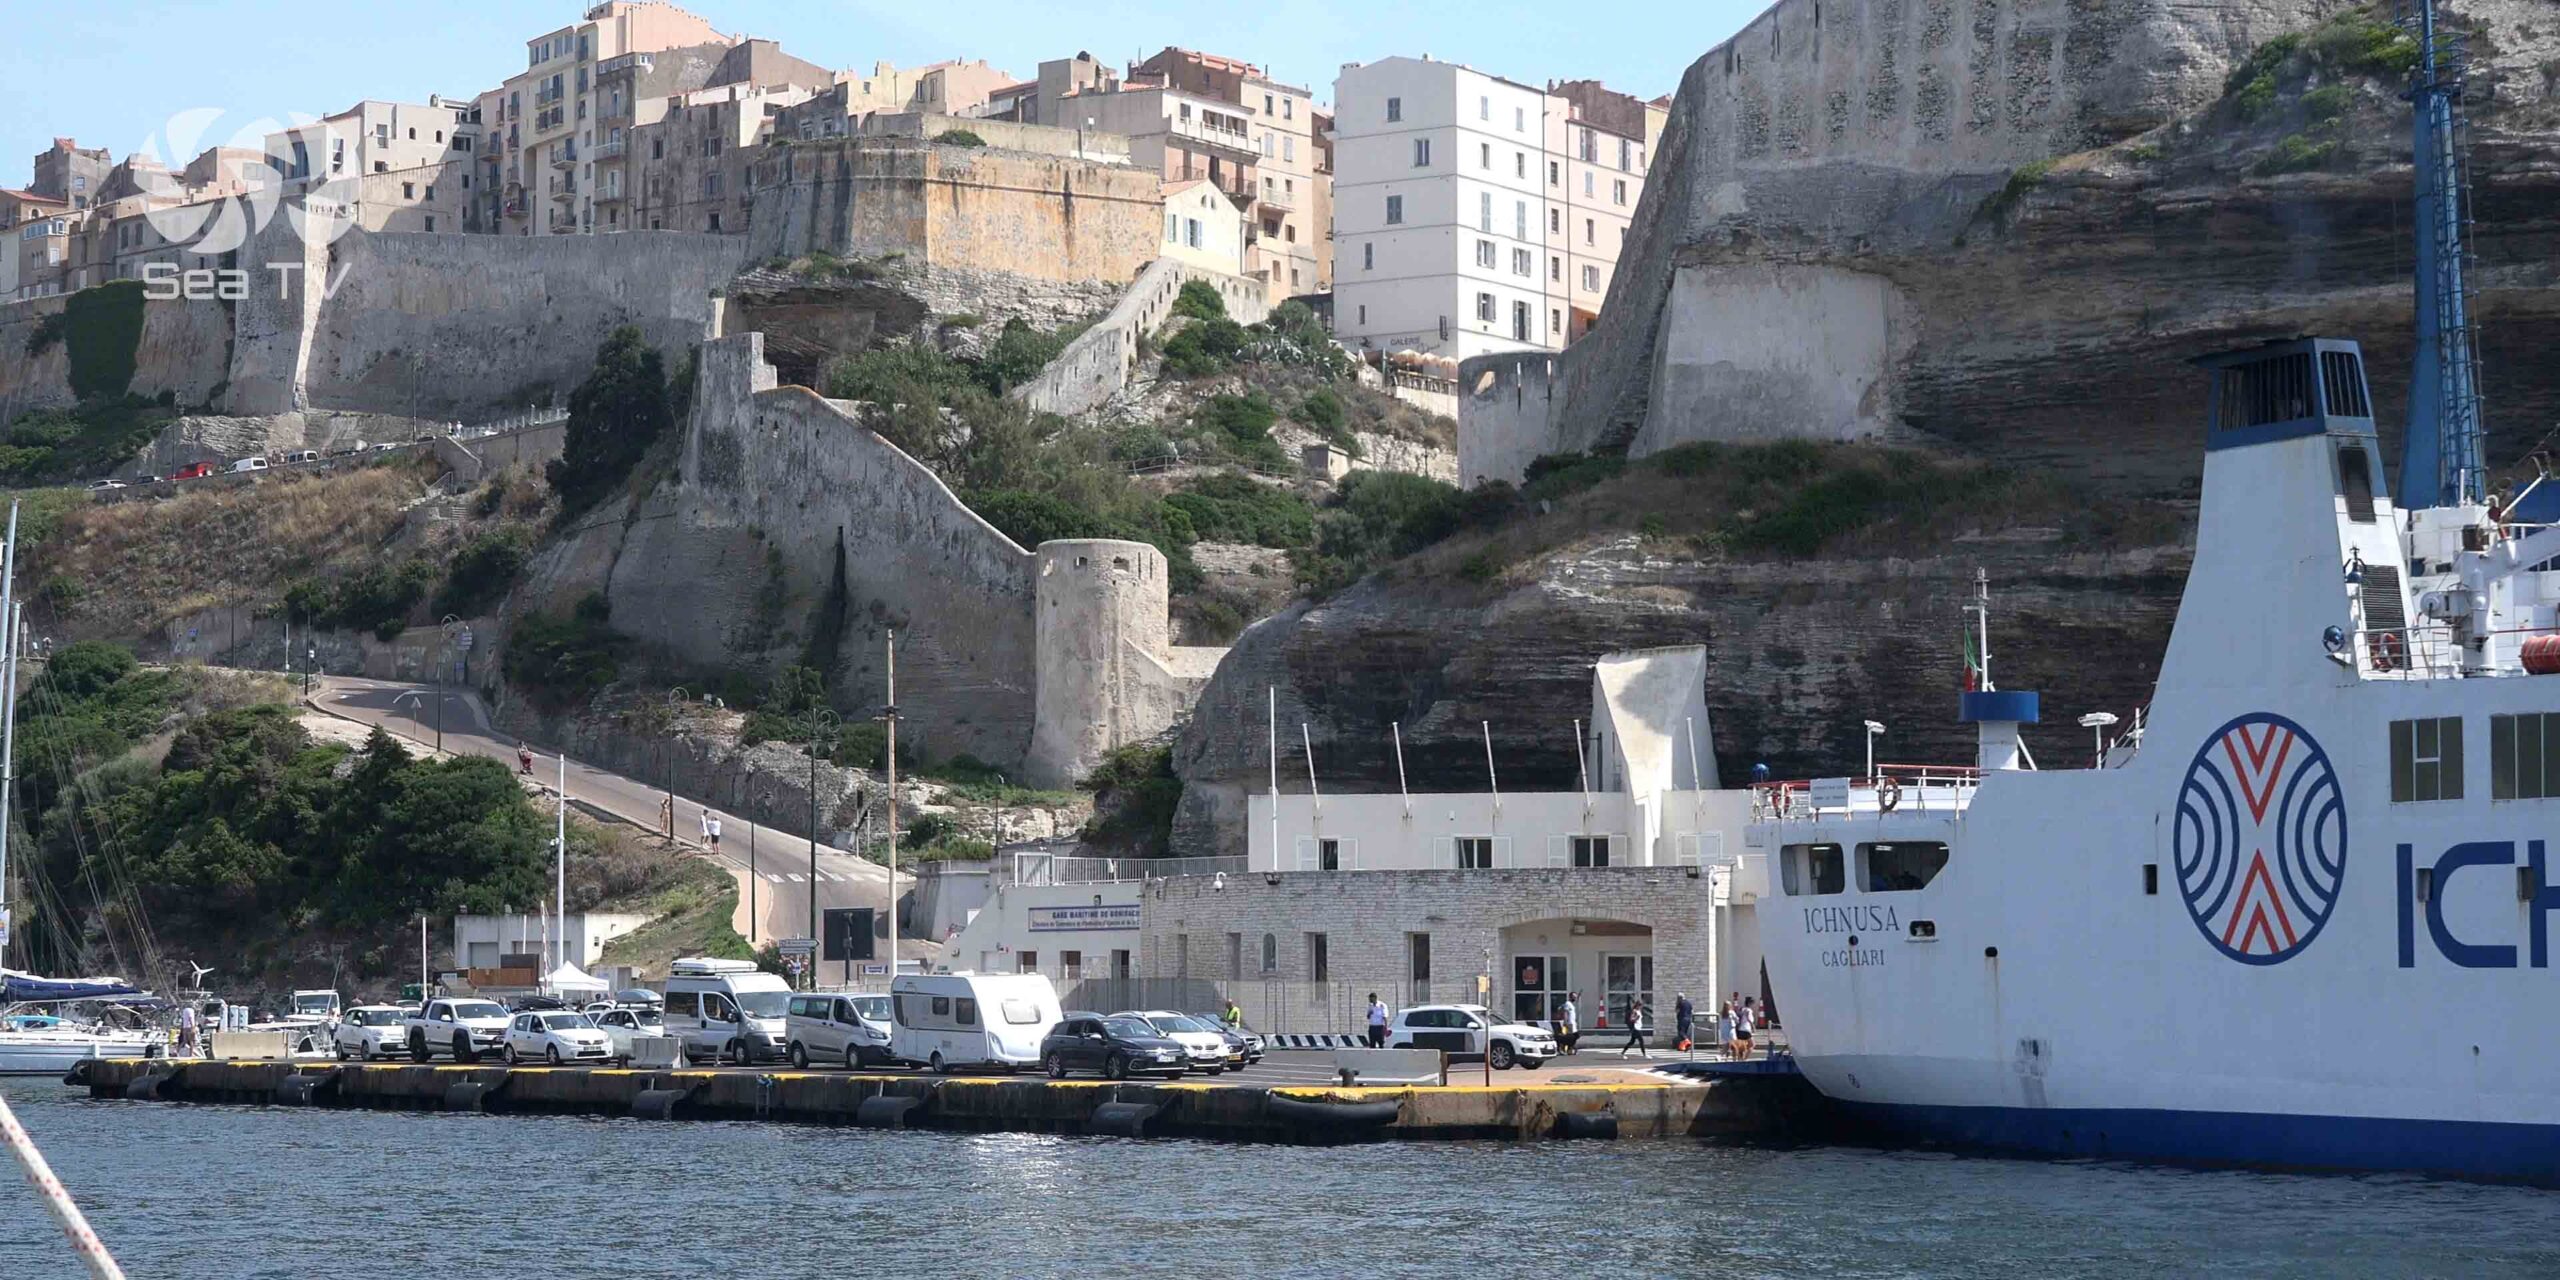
{"x":1484,"y":253}
{"x":1266,"y":104}
{"x":657,"y":148}
{"x":1523,"y":262}
{"x":1475,"y":853}
{"x":431,"y":222}
{"x":1289,"y":147}
{"x":1418,"y":946}
{"x":1319,"y":965}
{"x":1519,"y":119}
{"x":1328,"y":855}
{"x":1484,"y":210}
{"x":1555,"y":221}
{"x":1172,"y":224}
{"x":1555,"y":320}
{"x":1270,"y":953}
{"x":1555,"y":174}
{"x":1484,"y":307}
{"x":1368,"y":256}
{"x":1588,"y":235}
{"x":1026,"y":962}
{"x":1364,"y":313}
{"x":1422,"y":153}
{"x":1519,"y":164}
{"x":1626,"y":156}
{"x":1589,"y":851}
{"x":1618,"y":191}
{"x":1519,"y":219}
{"x":715,"y":223}
{"x":1191,"y":232}
{"x":408,"y":191}
{"x":2524,"y":757}
{"x":1484,"y":155}
{"x":1555,"y":269}
{"x":1395,"y":109}
{"x":1395,"y":209}
{"x":2426,"y":759}
{"x":1587,"y":183}
{"x":1484,"y":107}
{"x":1590,"y":278}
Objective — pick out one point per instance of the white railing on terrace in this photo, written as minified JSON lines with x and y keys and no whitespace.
{"x":1048,"y":868}
{"x":512,"y":422}
{"x":1896,"y":788}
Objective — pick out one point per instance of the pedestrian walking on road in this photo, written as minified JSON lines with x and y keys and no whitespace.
{"x":524,"y":759}
{"x":1569,"y":1023}
{"x":1684,"y":1018}
{"x":1377,"y":1022}
{"x":1637,"y":1029}
{"x":1742,"y":1029}
{"x":711,"y":830}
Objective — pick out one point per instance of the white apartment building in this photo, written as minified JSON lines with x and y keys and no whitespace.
{"x":546,"y":122}
{"x":1203,"y":227}
{"x":393,"y":166}
{"x":1472,"y":214}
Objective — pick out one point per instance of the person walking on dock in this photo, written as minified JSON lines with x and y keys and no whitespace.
{"x":1569,"y":1023}
{"x":1637,"y":1029}
{"x":1684,"y":1019}
{"x":187,"y":1030}
{"x":1377,"y":1022}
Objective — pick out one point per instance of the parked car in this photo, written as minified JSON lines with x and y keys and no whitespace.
{"x":1206,"y":1044}
{"x":301,"y":456}
{"x":947,"y":1020}
{"x":385,"y":446}
{"x":1250,"y":1039}
{"x":726,"y":1008}
{"x":192,"y":470}
{"x":1118,"y":1047}
{"x":246,"y":465}
{"x":624,"y":1025}
{"x":371,"y":1031}
{"x":536,"y":1004}
{"x":346,"y":448}
{"x":556,"y":1037}
{"x":638,"y":997}
{"x":1471,"y":1030}
{"x":101,"y":486}
{"x":837,"y":1027}
{"x":464,"y":1028}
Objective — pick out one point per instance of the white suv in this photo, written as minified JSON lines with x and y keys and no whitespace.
{"x":1470,"y":1030}
{"x":464,"y":1028}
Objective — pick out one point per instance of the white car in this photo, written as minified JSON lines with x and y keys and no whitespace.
{"x":1470,"y":1030}
{"x":1208,"y":1048}
{"x":371,"y":1031}
{"x":622,"y":1025}
{"x":101,"y":486}
{"x":556,"y":1037}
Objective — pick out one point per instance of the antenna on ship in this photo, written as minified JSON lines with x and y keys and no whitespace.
{"x":2440,"y":459}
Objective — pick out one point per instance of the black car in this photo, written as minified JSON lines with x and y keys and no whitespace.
{"x":1116,"y":1047}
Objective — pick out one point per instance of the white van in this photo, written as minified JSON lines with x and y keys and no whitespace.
{"x":947,"y":1020}
{"x":726,"y":1009}
{"x":248,"y":464}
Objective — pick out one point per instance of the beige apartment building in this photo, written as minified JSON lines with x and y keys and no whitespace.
{"x":695,"y":168}
{"x":544,"y":122}
{"x":1197,"y":116}
{"x":392,"y":166}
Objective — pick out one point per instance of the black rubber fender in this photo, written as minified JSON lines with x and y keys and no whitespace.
{"x":300,"y":1091}
{"x":1586,"y":1124}
{"x":1122,"y":1119}
{"x":78,"y":1076}
{"x":156,"y":1086}
{"x":467,"y":1096}
{"x":658,"y":1104}
{"x":887,"y":1111}
{"x":1333,"y":1115}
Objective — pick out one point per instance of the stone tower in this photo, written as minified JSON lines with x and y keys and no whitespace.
{"x":1103,"y":645}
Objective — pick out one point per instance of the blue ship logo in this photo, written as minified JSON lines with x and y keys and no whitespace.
{"x":2261,"y":839}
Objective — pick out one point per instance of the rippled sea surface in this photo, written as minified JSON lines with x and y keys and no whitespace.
{"x":209,"y":1193}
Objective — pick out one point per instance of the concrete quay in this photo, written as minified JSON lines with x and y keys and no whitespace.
{"x":1233,"y":1112}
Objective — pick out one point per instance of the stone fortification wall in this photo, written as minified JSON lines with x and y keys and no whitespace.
{"x":1003,"y":135}
{"x":829,"y":497}
{"x":1101,"y":359}
{"x":469,"y":327}
{"x":184,"y":352}
{"x":222,"y":439}
{"x":1047,"y":216}
{"x":1850,"y":126}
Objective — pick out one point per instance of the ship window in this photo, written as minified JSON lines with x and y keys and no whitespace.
{"x":2277,"y":390}
{"x":1812,"y":868}
{"x":2524,"y":757}
{"x":2342,"y":376}
{"x":1901,"y":866}
{"x":2355,"y":480}
{"x":2426,"y":760}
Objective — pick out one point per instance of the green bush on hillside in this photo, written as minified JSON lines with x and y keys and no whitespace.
{"x":615,"y":415}
{"x":1200,"y":300}
{"x":483,"y":570}
{"x":562,"y":662}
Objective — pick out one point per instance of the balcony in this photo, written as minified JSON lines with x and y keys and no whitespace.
{"x":1275,"y":196}
{"x":1235,"y":143}
{"x":564,"y":157}
{"x":563,"y":222}
{"x":610,"y":149}
{"x":563,"y":186}
{"x":493,"y":144}
{"x":609,"y":195}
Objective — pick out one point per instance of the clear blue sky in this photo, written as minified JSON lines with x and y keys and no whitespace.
{"x":113,"y":72}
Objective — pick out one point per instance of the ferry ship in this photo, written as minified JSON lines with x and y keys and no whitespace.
{"x":2303,"y":915}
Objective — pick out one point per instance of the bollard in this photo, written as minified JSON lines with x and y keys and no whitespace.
{"x":887,"y":1111}
{"x":1122,"y":1119}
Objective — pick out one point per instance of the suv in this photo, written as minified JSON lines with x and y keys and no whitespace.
{"x":464,"y":1028}
{"x":1470,"y":1030}
{"x":1118,"y":1046}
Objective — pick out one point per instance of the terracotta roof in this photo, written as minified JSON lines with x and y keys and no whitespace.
{"x":1182,"y":184}
{"x":32,"y":198}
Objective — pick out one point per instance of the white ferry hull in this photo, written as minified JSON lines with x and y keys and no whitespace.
{"x":53,"y":1055}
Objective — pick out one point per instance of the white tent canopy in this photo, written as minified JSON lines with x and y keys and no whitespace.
{"x":570,"y":977}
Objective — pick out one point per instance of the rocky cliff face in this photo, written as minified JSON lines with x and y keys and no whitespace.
{"x":1799,"y":653}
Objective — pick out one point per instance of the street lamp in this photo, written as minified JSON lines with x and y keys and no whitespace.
{"x":1875,"y":730}
{"x":667,"y":754}
{"x":748,"y":777}
{"x":2096,"y":723}
{"x":823,"y":724}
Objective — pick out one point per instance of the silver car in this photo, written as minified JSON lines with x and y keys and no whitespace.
{"x":851,"y":1029}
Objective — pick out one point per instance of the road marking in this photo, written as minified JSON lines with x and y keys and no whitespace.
{"x":795,"y":879}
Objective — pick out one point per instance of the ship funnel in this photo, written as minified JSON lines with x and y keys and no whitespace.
{"x":1998,"y":713}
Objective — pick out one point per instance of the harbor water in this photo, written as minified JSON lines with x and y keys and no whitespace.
{"x":216,"y":1193}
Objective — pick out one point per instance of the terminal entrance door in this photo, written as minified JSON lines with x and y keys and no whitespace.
{"x":1626,"y":979}
{"x":1538,"y":986}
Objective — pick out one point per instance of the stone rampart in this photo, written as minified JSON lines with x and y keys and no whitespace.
{"x":1101,"y":359}
{"x":183,"y":353}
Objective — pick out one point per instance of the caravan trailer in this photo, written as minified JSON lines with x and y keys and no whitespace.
{"x":947,"y":1020}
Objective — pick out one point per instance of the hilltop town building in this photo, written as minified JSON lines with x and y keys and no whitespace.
{"x":1474,"y":214}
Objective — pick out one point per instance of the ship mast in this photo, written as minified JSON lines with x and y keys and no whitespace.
{"x":2440,"y":459}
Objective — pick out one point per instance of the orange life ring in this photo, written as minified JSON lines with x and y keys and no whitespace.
{"x":2388,"y":650}
{"x":1888,"y":794}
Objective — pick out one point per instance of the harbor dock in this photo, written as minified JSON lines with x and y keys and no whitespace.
{"x":1640,"y":1107}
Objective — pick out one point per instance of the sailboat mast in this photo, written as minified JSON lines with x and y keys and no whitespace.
{"x":560,"y":867}
{"x":8,"y":710}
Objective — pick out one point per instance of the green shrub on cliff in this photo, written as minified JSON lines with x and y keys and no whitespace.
{"x":959,"y":138}
{"x":1135,"y":794}
{"x":91,"y":439}
{"x":561,"y":662}
{"x":614,"y":417}
{"x":1200,"y":300}
{"x":483,"y":570}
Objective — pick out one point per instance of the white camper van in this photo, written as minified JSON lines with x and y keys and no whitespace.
{"x":726,"y":1009}
{"x":947,"y":1020}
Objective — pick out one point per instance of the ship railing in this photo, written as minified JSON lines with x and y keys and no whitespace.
{"x":2425,"y":651}
{"x":1894,"y":788}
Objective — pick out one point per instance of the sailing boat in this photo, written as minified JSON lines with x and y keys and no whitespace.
{"x":33,"y":1040}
